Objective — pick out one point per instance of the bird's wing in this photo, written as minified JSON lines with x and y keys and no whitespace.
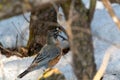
{"x":41,"y":56}
{"x":55,"y":52}
{"x":47,"y":53}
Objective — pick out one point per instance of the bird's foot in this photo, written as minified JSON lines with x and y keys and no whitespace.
{"x":49,"y":72}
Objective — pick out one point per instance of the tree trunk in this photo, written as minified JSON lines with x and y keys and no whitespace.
{"x":41,"y":21}
{"x":82,"y":48}
{"x":83,"y":57}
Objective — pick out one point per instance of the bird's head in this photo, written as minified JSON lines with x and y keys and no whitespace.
{"x":52,"y":36}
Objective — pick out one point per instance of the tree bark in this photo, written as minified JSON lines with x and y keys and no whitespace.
{"x":39,"y":26}
{"x":82,"y":48}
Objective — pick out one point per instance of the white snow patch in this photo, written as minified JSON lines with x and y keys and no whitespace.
{"x":106,"y":35}
{"x":15,"y":65}
{"x":13,"y":27}
{"x":110,"y":77}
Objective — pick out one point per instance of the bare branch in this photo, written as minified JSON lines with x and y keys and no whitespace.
{"x":111,"y":12}
{"x":92,"y":9}
{"x":23,"y":6}
{"x":19,"y":31}
{"x":26,"y":18}
{"x":104,"y":64}
{"x":10,"y":52}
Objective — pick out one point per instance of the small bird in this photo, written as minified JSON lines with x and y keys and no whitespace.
{"x":49,"y":55}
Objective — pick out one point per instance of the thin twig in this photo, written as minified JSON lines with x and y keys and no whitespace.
{"x":111,"y":12}
{"x":69,"y":21}
{"x":12,"y":53}
{"x":92,"y":9}
{"x":104,"y":64}
{"x":16,"y":41}
{"x":55,"y":6}
{"x":26,"y":18}
{"x":6,"y":50}
{"x":17,"y":30}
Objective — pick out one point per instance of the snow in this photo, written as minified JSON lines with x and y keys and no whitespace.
{"x":99,"y":5}
{"x":16,"y":65}
{"x":105,"y":37}
{"x":110,"y":77}
{"x":13,"y":27}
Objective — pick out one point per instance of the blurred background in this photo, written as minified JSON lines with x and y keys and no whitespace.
{"x":91,"y":26}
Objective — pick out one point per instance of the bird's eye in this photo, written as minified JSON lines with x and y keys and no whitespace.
{"x":57,"y":28}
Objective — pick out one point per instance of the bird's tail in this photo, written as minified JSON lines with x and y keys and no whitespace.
{"x":23,"y":74}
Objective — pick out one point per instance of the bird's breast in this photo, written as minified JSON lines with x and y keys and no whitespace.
{"x":54,"y":61}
